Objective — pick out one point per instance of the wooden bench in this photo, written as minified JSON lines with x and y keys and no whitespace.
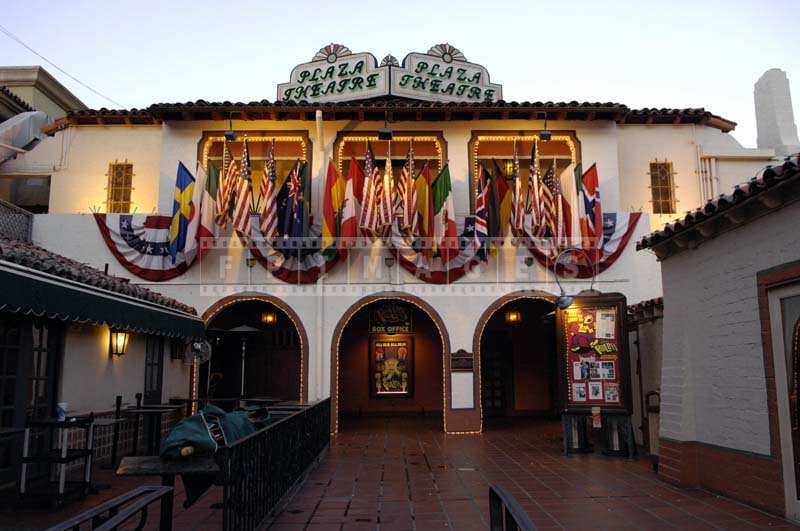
{"x":112,"y":514}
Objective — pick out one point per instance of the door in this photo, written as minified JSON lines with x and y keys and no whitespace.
{"x":784,"y":315}
{"x":153,"y":370}
{"x":497,"y":374}
{"x":29,"y":354}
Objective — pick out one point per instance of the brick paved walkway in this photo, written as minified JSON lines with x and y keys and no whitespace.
{"x":406,"y":474}
{"x":400,"y":474}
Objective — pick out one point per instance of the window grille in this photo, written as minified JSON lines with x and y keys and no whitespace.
{"x":662,"y":187}
{"x":120,"y":185}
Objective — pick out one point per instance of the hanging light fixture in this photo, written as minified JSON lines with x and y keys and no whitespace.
{"x":230,"y":134}
{"x":564,"y":301}
{"x":269,"y":318}
{"x":544,"y":134}
{"x":513,"y":317}
{"x":117,"y":342}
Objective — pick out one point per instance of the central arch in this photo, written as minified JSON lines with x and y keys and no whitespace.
{"x":520,"y":301}
{"x":357,"y":309}
{"x":292,"y":343}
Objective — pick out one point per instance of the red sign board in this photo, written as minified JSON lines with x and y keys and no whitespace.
{"x":593,"y":352}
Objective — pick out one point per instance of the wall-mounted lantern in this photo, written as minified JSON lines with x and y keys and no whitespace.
{"x":269,"y":318}
{"x":513,"y":317}
{"x":117,"y":342}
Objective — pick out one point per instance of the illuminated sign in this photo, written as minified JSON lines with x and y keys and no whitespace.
{"x":337,"y":74}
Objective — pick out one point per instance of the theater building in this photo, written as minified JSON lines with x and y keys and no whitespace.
{"x":384,"y":329}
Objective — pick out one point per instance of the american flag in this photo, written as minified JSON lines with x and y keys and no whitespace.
{"x":407,"y":195}
{"x":518,"y":212}
{"x":384,"y":190}
{"x":369,"y":217}
{"x":222,"y":203}
{"x":243,"y":190}
{"x":268,"y":215}
{"x":547,"y":203}
{"x":532,"y":199}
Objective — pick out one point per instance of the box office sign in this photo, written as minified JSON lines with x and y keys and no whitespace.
{"x":390,"y":318}
{"x":336,"y":74}
{"x":593,"y":357}
{"x":391,"y":366}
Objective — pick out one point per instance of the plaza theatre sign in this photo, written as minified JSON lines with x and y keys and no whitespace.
{"x":337,"y":74}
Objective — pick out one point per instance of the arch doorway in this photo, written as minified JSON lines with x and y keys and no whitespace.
{"x":388,"y":356}
{"x":516,"y":349}
{"x":259,"y":349}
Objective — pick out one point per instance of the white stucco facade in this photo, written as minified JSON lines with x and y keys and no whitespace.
{"x":79,"y":156}
{"x":712,"y":381}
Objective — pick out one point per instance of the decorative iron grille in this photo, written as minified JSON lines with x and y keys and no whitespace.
{"x":260,"y":469}
{"x":15,"y":222}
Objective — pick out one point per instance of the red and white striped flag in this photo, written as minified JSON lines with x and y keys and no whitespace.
{"x":268,"y":215}
{"x":369,"y":215}
{"x":222,"y":207}
{"x":518,"y":212}
{"x":243,"y":191}
{"x":547,"y":204}
{"x":533,"y":200}
{"x":407,"y":195}
{"x":384,"y":190}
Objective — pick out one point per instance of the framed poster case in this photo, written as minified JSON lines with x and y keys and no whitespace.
{"x":391,"y":366}
{"x":593,"y":362}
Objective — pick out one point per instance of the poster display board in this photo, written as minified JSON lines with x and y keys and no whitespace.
{"x":593,"y":355}
{"x":391,"y":363}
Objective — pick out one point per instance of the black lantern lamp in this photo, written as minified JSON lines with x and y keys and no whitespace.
{"x":564,"y":301}
{"x":117,"y":342}
{"x":544,"y":134}
{"x":230,"y":134}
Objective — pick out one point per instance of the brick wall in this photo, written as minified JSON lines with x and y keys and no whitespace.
{"x":751,"y":478}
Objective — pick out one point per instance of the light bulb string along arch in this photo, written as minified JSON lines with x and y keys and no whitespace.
{"x":564,"y":300}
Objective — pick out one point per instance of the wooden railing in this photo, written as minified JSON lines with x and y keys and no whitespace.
{"x":505,"y":513}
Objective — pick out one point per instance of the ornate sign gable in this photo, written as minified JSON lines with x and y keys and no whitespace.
{"x":336,"y":74}
{"x":443,"y":74}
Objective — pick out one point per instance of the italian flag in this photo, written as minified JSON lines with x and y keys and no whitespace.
{"x":208,"y":201}
{"x":444,"y":216}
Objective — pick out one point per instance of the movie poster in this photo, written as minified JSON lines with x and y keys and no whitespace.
{"x":593,"y":356}
{"x":391,"y":364}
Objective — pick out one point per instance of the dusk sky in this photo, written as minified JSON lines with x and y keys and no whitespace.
{"x":676,"y":54}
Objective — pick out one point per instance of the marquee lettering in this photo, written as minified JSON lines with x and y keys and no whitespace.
{"x":336,"y":74}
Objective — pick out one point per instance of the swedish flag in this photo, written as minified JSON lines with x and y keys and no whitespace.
{"x":182,"y":211}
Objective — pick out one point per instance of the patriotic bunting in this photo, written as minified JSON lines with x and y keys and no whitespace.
{"x":418,"y":221}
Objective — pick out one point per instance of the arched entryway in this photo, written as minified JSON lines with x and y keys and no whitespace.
{"x":259,"y":348}
{"x":515,"y":348}
{"x":388,"y":360}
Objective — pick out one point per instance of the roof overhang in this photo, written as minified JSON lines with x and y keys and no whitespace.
{"x":394,"y":109}
{"x":28,"y":291}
